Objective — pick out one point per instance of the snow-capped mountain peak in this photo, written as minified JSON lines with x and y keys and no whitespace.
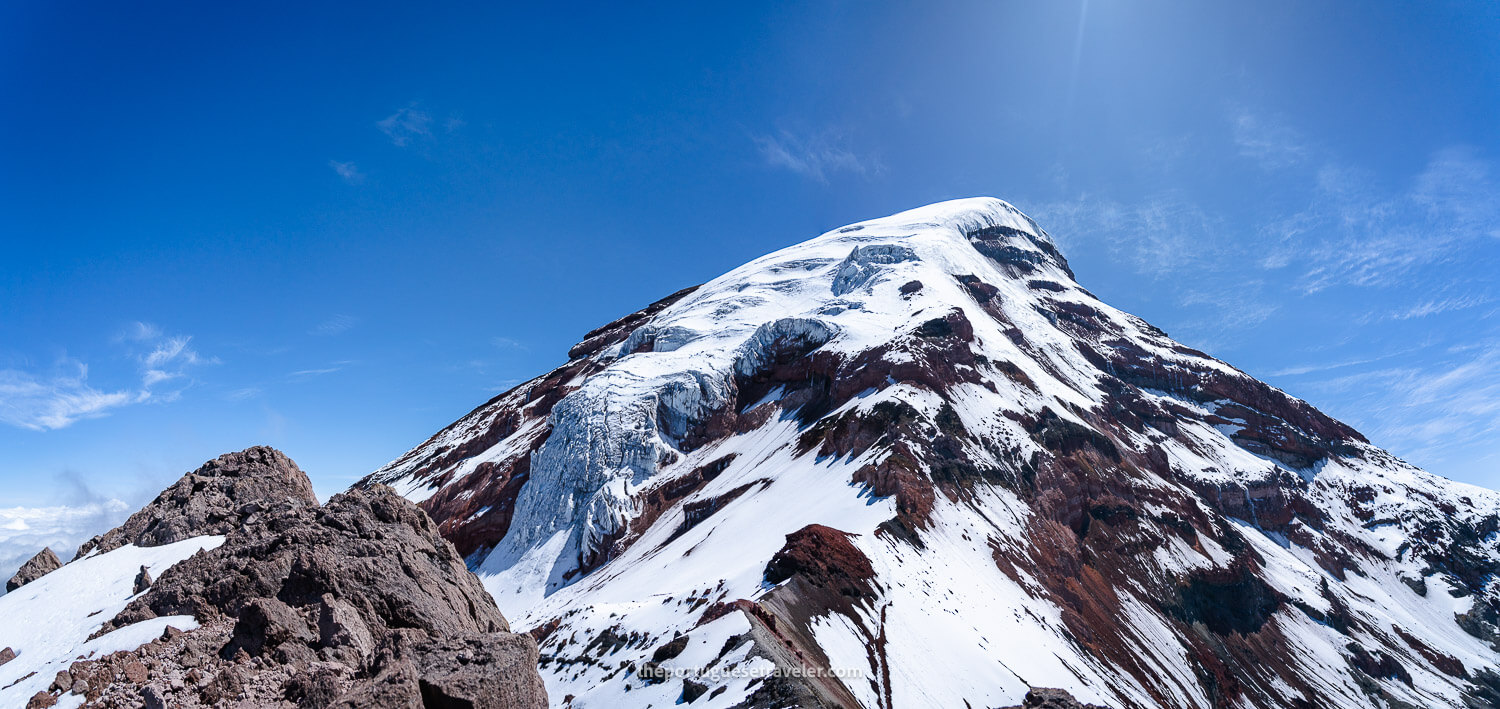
{"x":911,"y":462}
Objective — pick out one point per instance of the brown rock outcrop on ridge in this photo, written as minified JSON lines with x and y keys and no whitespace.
{"x":355,"y":603}
{"x":224,"y":494}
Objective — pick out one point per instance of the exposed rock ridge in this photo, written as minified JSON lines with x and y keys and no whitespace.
{"x":222,"y":495}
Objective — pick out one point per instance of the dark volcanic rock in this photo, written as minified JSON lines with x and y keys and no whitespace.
{"x":491,"y":670}
{"x":670,"y":649}
{"x":267,"y":624}
{"x":151,"y":698}
{"x":1042,"y":698}
{"x":356,"y":603}
{"x":368,"y":549}
{"x":225,"y":494}
{"x":1232,"y":600}
{"x":45,"y":562}
{"x":692,"y":690}
{"x":142,"y":580}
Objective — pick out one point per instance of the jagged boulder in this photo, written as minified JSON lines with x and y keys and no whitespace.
{"x":41,"y":700}
{"x":142,"y":580}
{"x":223,"y":495}
{"x":45,"y":562}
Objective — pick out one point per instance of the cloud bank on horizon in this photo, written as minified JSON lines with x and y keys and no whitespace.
{"x":24,"y":531}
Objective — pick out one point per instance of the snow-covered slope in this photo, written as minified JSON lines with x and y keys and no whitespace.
{"x":48,"y":623}
{"x":911,"y":462}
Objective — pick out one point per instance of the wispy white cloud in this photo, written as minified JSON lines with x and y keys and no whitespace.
{"x":335,"y":325}
{"x":332,"y":367}
{"x":1235,"y":308}
{"x":815,"y":156}
{"x":1160,"y":236}
{"x":1170,"y":236}
{"x":1355,"y":233}
{"x":1429,"y":308}
{"x":140,"y":332}
{"x":1267,"y":141}
{"x":242,"y":394}
{"x":304,"y":373}
{"x":166,"y":358}
{"x":171,"y":350}
{"x":406,"y":125}
{"x":56,"y":400}
{"x":1301,"y":369}
{"x":1431,"y":410}
{"x":153,"y":377}
{"x":1459,"y":194}
{"x":63,"y":395}
{"x":348,"y":171}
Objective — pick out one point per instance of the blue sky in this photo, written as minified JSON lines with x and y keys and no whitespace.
{"x":335,"y":229}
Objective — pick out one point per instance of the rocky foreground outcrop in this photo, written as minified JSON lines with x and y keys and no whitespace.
{"x":45,"y":562}
{"x":357,"y":603}
{"x":223,"y":495}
